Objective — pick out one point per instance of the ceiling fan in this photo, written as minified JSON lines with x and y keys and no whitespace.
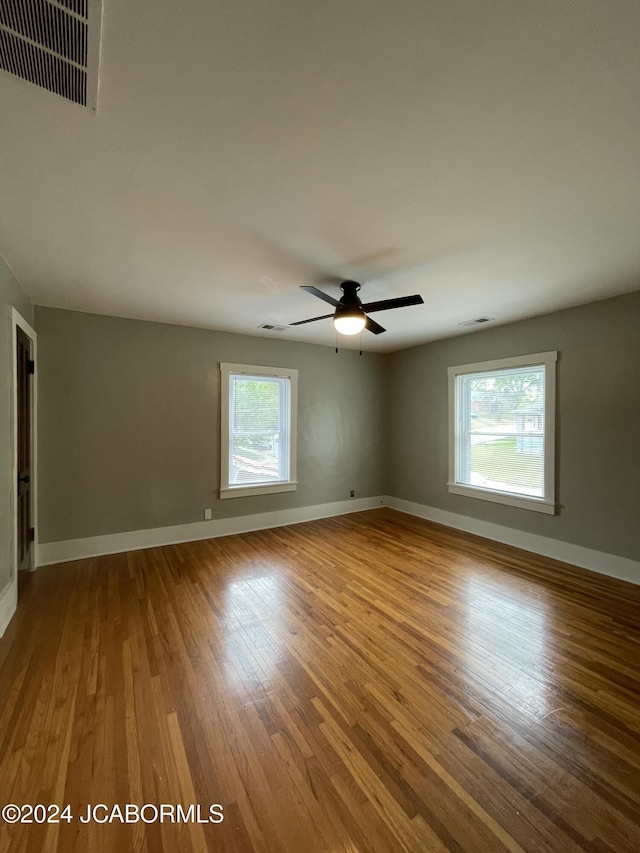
{"x":350,"y":316}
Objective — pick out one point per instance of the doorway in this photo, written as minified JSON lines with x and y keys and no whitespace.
{"x":24,"y":445}
{"x":23,"y":402}
{"x":24,"y":514}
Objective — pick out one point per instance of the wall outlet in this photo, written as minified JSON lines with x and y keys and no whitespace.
{"x":207,"y":515}
{"x":353,"y":493}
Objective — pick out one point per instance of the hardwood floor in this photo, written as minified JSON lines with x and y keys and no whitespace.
{"x":371,"y":682}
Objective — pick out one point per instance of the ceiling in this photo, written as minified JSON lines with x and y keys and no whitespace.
{"x":482,"y":153}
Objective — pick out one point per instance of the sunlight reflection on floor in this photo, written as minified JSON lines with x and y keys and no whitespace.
{"x":506,"y":640}
{"x":253,"y":617}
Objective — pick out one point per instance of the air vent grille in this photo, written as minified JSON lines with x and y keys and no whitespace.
{"x":77,"y":6}
{"x":478,"y":321}
{"x":53,"y":44}
{"x":272,"y":328}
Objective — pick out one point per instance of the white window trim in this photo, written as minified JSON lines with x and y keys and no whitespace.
{"x":545,"y":504}
{"x":228,"y":490}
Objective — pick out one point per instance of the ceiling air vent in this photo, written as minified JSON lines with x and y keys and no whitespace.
{"x":273,"y":328}
{"x":54,"y":44}
{"x":478,"y":321}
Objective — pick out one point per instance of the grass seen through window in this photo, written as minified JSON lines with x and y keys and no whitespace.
{"x":500,"y":460}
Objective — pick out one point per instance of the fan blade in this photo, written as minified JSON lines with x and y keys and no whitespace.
{"x":325,"y":296}
{"x":374,"y":327}
{"x":400,"y":302}
{"x":312,"y":320}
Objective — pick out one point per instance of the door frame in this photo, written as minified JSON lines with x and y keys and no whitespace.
{"x":18,"y":321}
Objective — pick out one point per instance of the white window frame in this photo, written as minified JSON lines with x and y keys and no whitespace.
{"x":231,"y":490}
{"x":547,"y":503}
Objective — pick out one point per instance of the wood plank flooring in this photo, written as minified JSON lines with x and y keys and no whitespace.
{"x":371,"y":682}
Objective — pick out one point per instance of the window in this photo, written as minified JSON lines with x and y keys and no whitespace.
{"x":501,"y":431}
{"x":258,"y":430}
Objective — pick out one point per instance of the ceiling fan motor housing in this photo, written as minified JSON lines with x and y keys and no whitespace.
{"x":350,"y":290}
{"x":349,"y":318}
{"x":350,"y":303}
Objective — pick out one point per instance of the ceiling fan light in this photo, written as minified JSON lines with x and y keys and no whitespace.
{"x":349,"y":322}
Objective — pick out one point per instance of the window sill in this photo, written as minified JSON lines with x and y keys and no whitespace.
{"x":262,"y":489}
{"x":535,"y":504}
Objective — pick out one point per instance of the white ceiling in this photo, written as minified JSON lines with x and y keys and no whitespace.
{"x":482,"y":153}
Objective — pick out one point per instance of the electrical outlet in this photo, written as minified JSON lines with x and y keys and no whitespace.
{"x":353,"y":493}
{"x":207,"y":515}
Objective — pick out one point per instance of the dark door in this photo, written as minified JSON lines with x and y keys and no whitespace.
{"x":25,"y":529}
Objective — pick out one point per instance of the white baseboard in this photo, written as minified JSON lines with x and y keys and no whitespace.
{"x":8,"y":604}
{"x":96,"y":546}
{"x":586,"y":558}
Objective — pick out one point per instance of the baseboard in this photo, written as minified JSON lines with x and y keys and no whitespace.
{"x":8,"y":604}
{"x":96,"y":546}
{"x":586,"y":558}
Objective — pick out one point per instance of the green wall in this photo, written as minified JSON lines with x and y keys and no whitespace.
{"x":129,"y":423}
{"x":598,"y":423}
{"x":129,"y":426}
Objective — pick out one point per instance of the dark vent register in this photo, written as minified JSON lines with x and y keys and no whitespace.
{"x":46,"y":42}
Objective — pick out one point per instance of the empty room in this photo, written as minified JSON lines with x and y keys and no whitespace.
{"x":319,"y":426}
